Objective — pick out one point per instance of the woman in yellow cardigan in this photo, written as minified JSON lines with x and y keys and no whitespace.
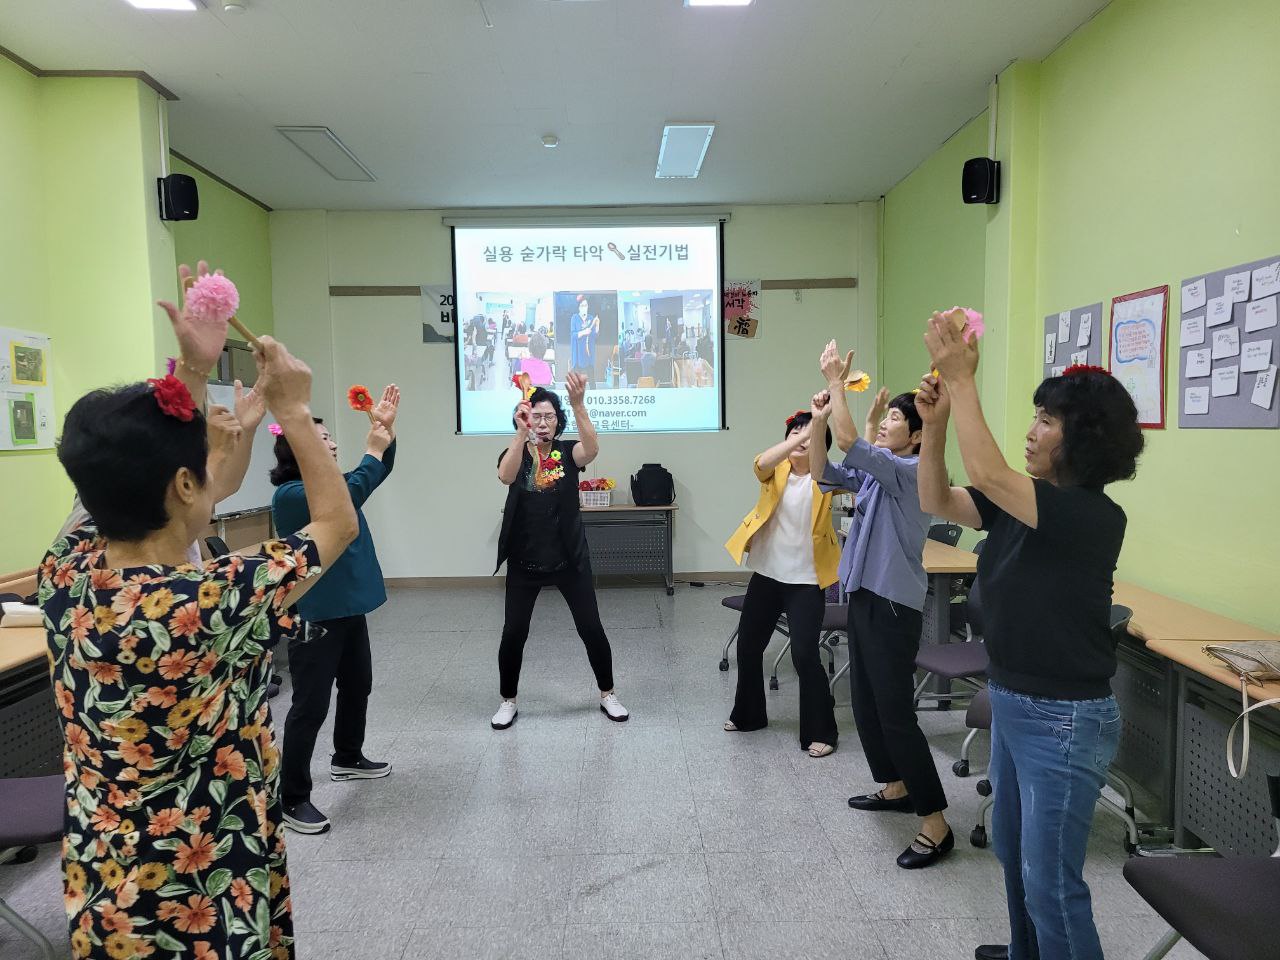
{"x":791,"y":547}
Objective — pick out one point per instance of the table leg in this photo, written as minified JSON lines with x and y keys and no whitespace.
{"x":670,"y":571}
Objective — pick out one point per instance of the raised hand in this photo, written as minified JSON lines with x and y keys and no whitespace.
{"x":820,"y":406}
{"x":833,"y":368}
{"x":387,"y":408}
{"x":288,"y":379}
{"x":879,"y":406}
{"x":524,"y":419}
{"x":199,"y":342}
{"x":952,"y":355}
{"x":932,"y":401}
{"x":250,"y":407}
{"x":379,"y":439}
{"x":223,"y":429}
{"x":576,"y":384}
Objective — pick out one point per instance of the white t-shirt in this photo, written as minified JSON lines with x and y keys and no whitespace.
{"x":782,"y":549}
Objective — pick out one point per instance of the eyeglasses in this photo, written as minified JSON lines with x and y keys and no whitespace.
{"x":542,"y":417}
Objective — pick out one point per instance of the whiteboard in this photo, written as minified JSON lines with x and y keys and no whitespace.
{"x":256,"y":491}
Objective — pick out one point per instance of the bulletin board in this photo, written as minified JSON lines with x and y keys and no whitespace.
{"x":1136,"y":350}
{"x":1072,"y":337}
{"x":1229,"y":348}
{"x":26,"y":390}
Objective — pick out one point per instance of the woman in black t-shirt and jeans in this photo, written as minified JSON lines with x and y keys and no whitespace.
{"x":543,"y":541}
{"x":1053,"y":539}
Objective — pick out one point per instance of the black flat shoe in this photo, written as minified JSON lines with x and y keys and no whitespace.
{"x":992,"y":951}
{"x":923,"y":852}
{"x":878,"y":801}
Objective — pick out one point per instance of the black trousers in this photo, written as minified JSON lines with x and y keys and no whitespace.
{"x":884,"y":638}
{"x":805,"y":606}
{"x":325,"y":652}
{"x":579,"y":593}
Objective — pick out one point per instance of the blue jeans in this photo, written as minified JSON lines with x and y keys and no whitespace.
{"x":1048,"y":761}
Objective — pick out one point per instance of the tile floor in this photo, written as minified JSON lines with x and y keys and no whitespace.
{"x":571,"y":837}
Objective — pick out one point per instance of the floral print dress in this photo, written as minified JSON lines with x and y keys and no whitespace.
{"x":173,"y":844}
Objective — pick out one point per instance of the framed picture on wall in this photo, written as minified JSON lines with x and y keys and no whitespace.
{"x":1136,"y":354}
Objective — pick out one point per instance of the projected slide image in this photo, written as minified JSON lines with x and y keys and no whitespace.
{"x":634,"y":309}
{"x":508,"y":333}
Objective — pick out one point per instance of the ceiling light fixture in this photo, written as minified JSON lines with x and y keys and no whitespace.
{"x":551,"y":141}
{"x":717,"y":3}
{"x":164,"y":4}
{"x":234,"y":6}
{"x":683,"y":148}
{"x":323,"y":146}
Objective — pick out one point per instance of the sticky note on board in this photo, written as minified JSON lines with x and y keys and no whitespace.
{"x":1226,"y":343}
{"x":1193,"y":295}
{"x":1264,"y":388}
{"x":1255,"y":356}
{"x":1057,"y":371}
{"x":1086,"y":330}
{"x":1237,"y":287}
{"x":1226,"y":381}
{"x":1064,"y":326}
{"x":1260,"y":314}
{"x":1192,"y":331}
{"x":1217,"y":311}
{"x":1195,"y":400}
{"x":1198,"y":364}
{"x":1050,"y":348}
{"x":1080,"y":358}
{"x":1266,"y":280}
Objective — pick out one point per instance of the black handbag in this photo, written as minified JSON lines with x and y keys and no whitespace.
{"x":653,"y":486}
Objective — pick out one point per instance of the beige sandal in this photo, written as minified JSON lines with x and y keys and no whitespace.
{"x":730,"y":727}
{"x":817,"y":750}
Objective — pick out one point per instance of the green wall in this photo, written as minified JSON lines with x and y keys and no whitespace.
{"x":1149,"y":176}
{"x":232,"y":233}
{"x":932,"y":253}
{"x":1118,"y":178}
{"x":79,"y":253}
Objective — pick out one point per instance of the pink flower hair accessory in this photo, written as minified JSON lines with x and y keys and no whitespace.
{"x":275,"y":430}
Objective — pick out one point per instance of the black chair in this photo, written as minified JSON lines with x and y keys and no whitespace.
{"x":835,"y":621}
{"x":948,"y":533}
{"x":633,"y":370}
{"x":217,"y":546}
{"x":734,"y":603}
{"x":1224,"y":907}
{"x":34,"y":808}
{"x":965,"y":662}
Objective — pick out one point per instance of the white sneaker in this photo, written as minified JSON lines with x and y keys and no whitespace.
{"x":613,"y":709}
{"x":505,"y":716}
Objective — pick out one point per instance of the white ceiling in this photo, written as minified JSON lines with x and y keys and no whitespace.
{"x":814,"y":100}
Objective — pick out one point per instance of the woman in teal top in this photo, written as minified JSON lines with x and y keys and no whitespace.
{"x":335,"y":644}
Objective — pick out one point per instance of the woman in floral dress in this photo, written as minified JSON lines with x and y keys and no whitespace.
{"x":160,"y":668}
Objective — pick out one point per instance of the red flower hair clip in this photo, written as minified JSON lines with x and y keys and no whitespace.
{"x":1079,"y":368}
{"x":173,"y":398}
{"x":792,"y":419}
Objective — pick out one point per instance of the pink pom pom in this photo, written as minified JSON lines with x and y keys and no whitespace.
{"x":275,"y":429}
{"x":213,"y":298}
{"x":973,"y":325}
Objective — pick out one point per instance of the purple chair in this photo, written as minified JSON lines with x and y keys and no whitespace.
{"x":33,"y":811}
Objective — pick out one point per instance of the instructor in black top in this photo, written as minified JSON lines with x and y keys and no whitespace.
{"x":1053,"y":539}
{"x":543,"y":542}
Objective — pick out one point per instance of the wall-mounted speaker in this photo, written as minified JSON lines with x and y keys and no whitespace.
{"x":179,"y":199}
{"x":980,"y":182}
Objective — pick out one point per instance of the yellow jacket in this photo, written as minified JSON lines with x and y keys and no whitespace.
{"x":826,"y":549}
